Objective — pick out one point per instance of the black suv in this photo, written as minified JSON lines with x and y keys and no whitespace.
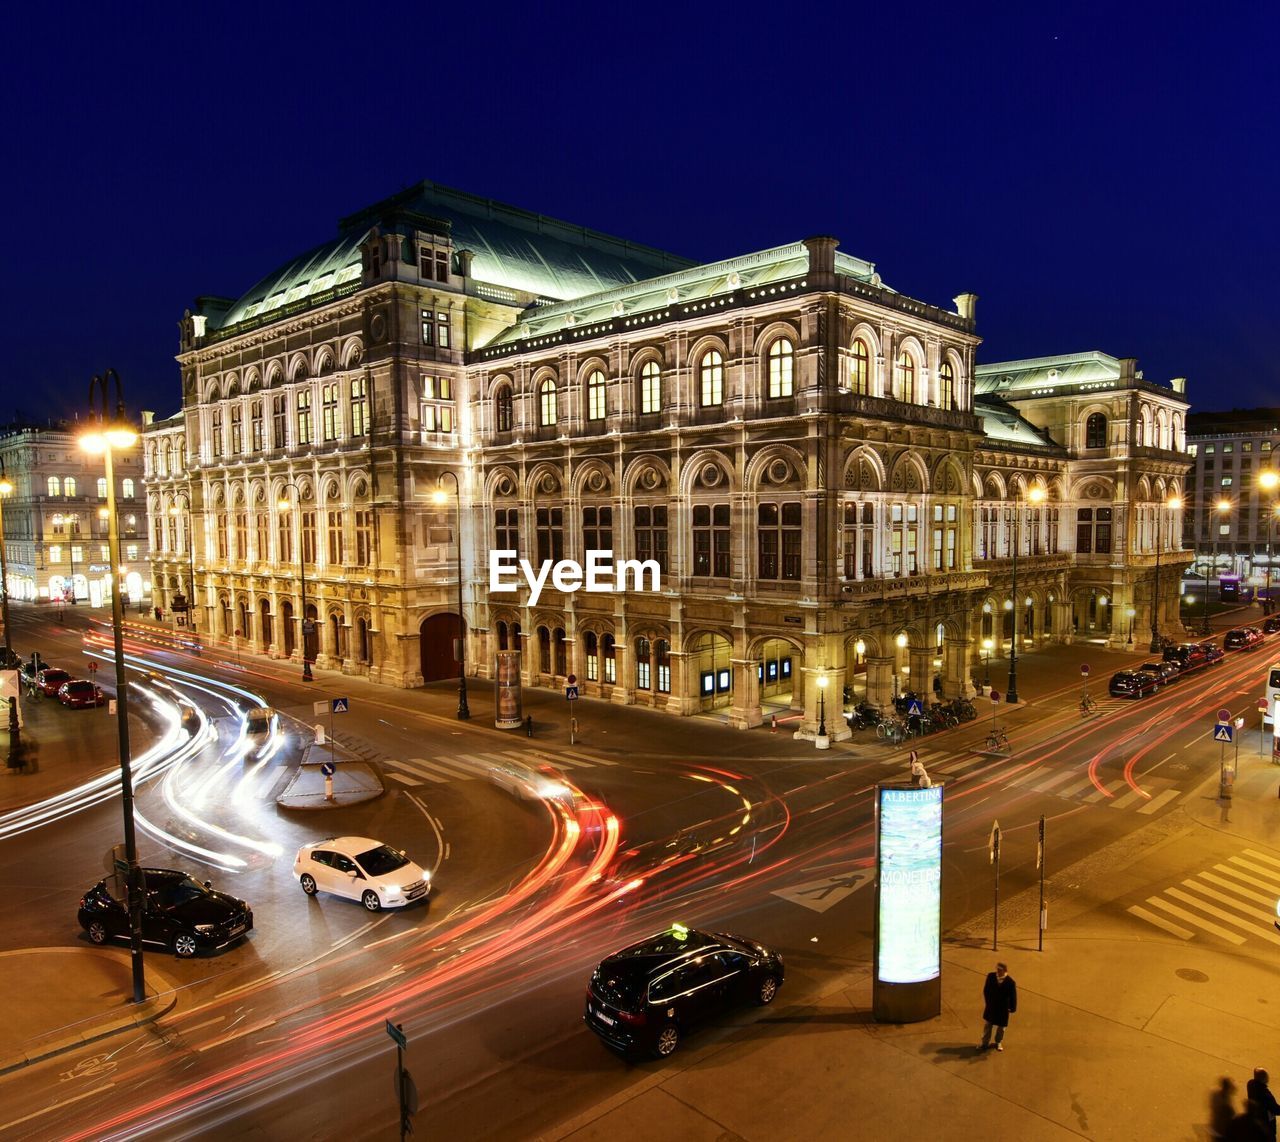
{"x":180,"y":914}
{"x":645,"y":997}
{"x":1242,"y":638}
{"x":1187,"y":655}
{"x":1165,"y":671}
{"x":1132,"y":684}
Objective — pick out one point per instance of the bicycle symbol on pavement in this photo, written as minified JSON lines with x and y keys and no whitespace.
{"x":93,"y":1065}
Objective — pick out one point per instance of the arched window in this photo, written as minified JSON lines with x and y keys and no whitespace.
{"x":597,"y":405}
{"x":643,"y":664}
{"x":561,"y":646}
{"x":544,"y":650}
{"x":504,"y":414}
{"x":711,"y":377}
{"x":69,"y":486}
{"x":650,"y":388}
{"x":548,"y":411}
{"x":55,"y":486}
{"x":102,"y":487}
{"x":1095,"y":431}
{"x":502,"y":635}
{"x":781,"y":369}
{"x":591,"y":649}
{"x":126,"y":488}
{"x":860,"y":367}
{"x":304,"y":416}
{"x":607,"y":650}
{"x":662,"y":659}
{"x":946,"y":385}
{"x":904,"y":378}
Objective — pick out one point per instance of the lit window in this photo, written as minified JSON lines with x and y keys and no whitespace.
{"x":126,"y":489}
{"x":359,"y":407}
{"x":69,"y":486}
{"x":860,"y":367}
{"x":596,"y":396}
{"x":304,"y":416}
{"x":329,"y":411}
{"x":711,"y":374}
{"x":1095,"y":431}
{"x":946,"y":385}
{"x":650,"y":388}
{"x":102,"y":487}
{"x":504,"y":409}
{"x":55,"y":486}
{"x":904,"y":377}
{"x":548,"y":412}
{"x":781,"y":369}
{"x":437,"y":404}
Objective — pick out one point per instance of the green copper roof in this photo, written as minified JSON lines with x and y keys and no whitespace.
{"x":1046,"y":372}
{"x":512,"y":248}
{"x":1002,"y":424}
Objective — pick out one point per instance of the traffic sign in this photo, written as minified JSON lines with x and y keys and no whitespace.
{"x":397,"y":1034}
{"x":1222,"y":732}
{"x":995,"y":696}
{"x":1224,"y":715}
{"x":993,"y":842}
{"x":93,"y":669}
{"x":340,"y":706}
{"x":1084,"y":670}
{"x":1262,"y":705}
{"x":327,"y":769}
{"x":570,"y":693}
{"x":309,"y":626}
{"x":915,"y":707}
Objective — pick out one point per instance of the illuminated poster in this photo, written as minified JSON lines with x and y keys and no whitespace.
{"x":909,"y":924}
{"x":507,"y":713}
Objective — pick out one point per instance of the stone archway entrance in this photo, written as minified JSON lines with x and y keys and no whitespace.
{"x":711,"y":670}
{"x":435,"y":643}
{"x":777,"y":672}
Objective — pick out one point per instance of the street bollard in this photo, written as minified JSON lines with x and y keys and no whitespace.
{"x":328,"y":788}
{"x":774,"y":728}
{"x":528,"y":726}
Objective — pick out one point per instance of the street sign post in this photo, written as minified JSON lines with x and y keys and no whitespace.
{"x":916,"y":707}
{"x":993,"y":849}
{"x":327,"y":770}
{"x":406,"y":1091}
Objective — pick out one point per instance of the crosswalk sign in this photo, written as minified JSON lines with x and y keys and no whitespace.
{"x":916,"y":707}
{"x":1222,"y":732}
{"x":340,"y":706}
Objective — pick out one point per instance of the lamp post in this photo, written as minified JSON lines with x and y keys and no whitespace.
{"x":901,"y":642}
{"x":175,"y":511}
{"x":303,"y":621}
{"x":114,"y":432}
{"x":987,"y":645}
{"x":1269,"y":481}
{"x":1034,"y":495}
{"x":1175,"y":503}
{"x":15,"y":733}
{"x":439,"y":497}
{"x":1222,"y":507}
{"x":822,"y":741}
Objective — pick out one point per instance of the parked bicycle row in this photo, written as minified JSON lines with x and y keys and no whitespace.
{"x":902,"y":724}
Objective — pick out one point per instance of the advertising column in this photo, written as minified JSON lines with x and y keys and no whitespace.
{"x":907,"y":983}
{"x":507,"y":702}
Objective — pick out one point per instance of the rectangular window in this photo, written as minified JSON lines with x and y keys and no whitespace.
{"x":237,"y":431}
{"x":131,"y":551}
{"x":284,"y":539}
{"x":359,"y":407}
{"x":642,"y":674}
{"x":506,"y":529}
{"x":442,"y":330}
{"x":336,"y":552}
{"x":221,"y":529}
{"x":442,"y":265}
{"x":304,"y":416}
{"x":593,"y":663}
{"x":329,"y":411}
{"x":279,"y":415}
{"x":597,"y":529}
{"x":1227,"y":449}
{"x":664,"y":668}
{"x":55,"y":553}
{"x":1226,"y":481}
{"x":711,"y":540}
{"x":428,"y":327}
{"x":77,"y":554}
{"x":309,"y":536}
{"x":651,"y":534}
{"x":1102,"y":534}
{"x":242,"y":536}
{"x":1084,"y":531}
{"x":260,"y":536}
{"x":437,"y":404}
{"x":550,"y":534}
{"x":364,"y":537}
{"x":215,"y":434}
{"x":255,"y":426}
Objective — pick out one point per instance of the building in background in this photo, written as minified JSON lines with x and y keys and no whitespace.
{"x":55,"y":520}
{"x":1232,"y":523}
{"x":838,"y":499}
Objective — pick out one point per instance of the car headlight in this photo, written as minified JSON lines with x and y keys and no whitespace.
{"x":391,"y":889}
{"x":206,"y":929}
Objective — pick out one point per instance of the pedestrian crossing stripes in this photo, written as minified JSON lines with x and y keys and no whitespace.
{"x":1069,"y":784}
{"x":442,"y":769}
{"x":1233,"y":901}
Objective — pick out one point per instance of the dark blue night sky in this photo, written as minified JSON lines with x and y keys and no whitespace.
{"x":1102,"y":180}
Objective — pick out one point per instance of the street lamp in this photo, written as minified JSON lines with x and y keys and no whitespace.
{"x":109,"y":434}
{"x":901,"y":641}
{"x":15,"y":739}
{"x":1132,"y":613}
{"x":303,"y":621}
{"x":439,"y":497}
{"x":1034,"y":495}
{"x":71,"y":522}
{"x":1222,"y":507}
{"x":987,"y":645}
{"x":1269,"y":481}
{"x":822,"y":741}
{"x":175,"y":511}
{"x":1174,"y":503}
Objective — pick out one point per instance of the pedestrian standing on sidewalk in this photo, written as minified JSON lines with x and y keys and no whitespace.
{"x":1249,"y":1125}
{"x":1000,"y":996}
{"x":1258,"y":1091}
{"x":1222,"y":1108}
{"x":919,"y":778}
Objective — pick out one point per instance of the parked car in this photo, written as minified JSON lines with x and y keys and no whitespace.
{"x":647,"y":996}
{"x":358,"y":868}
{"x":1132,"y":684}
{"x":50,"y":679}
{"x":1212,"y":652}
{"x":1271,"y":625}
{"x":80,"y":693}
{"x":180,"y":913}
{"x":1242,"y":638}
{"x":1164,"y":671}
{"x":1187,"y":655}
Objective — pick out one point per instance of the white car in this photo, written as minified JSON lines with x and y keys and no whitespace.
{"x":361,"y":869}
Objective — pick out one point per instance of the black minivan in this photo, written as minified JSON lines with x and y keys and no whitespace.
{"x":646,"y":996}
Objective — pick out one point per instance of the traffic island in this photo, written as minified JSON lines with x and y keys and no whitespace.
{"x":327,"y":778}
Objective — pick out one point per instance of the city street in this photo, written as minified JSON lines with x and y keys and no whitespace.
{"x":1157,"y":958}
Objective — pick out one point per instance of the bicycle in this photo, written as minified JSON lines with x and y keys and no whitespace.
{"x":997,"y":739}
{"x":1087,"y":706}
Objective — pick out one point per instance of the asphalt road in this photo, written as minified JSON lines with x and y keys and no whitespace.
{"x":280,"y":1037}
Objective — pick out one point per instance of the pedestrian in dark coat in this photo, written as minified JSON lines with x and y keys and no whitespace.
{"x":1247,"y":1126}
{"x":1259,"y":1093}
{"x":1000,"y":996}
{"x":1222,"y":1108}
